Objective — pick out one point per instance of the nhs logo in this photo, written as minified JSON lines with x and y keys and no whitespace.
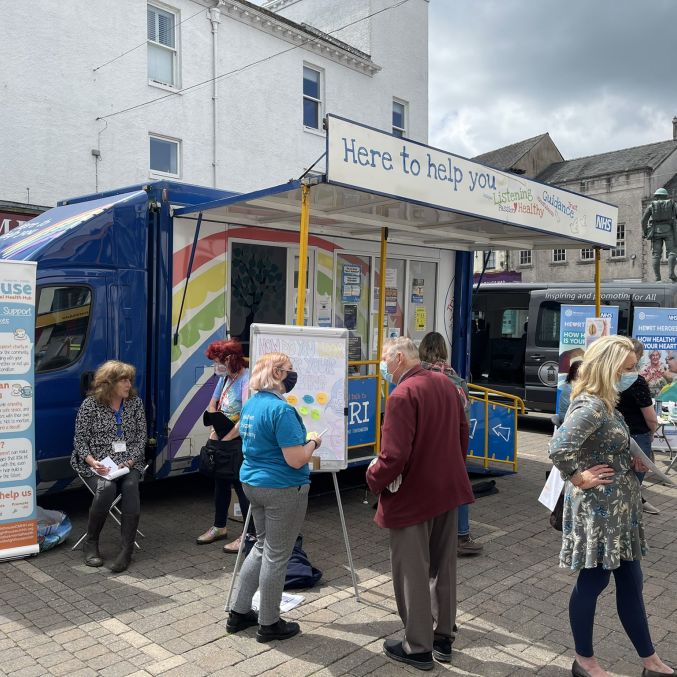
{"x":603,"y":223}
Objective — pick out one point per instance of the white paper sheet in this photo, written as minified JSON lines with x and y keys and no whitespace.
{"x":551,"y":489}
{"x":287,"y":603}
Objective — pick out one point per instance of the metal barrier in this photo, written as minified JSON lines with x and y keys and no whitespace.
{"x":513,"y":407}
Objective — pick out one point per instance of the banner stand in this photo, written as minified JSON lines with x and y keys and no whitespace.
{"x":236,"y":570}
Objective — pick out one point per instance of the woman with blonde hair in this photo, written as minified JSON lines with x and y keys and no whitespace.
{"x":602,"y":522}
{"x":111,"y":422}
{"x":276,"y":479}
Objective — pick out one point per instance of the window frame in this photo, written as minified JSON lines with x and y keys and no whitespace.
{"x":85,"y":340}
{"x":400,"y":132}
{"x":175,"y":84}
{"x":619,"y":251}
{"x":525,"y":254}
{"x":587,"y":253}
{"x":317,"y":101}
{"x":559,"y":256}
{"x":167,"y":139}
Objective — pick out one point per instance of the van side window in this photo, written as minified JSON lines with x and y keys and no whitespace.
{"x":547,"y":324}
{"x":61,"y":325}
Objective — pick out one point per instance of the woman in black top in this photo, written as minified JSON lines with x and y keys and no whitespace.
{"x":636,"y":405}
{"x":111,"y":423}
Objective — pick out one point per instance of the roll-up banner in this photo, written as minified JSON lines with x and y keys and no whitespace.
{"x":18,"y":523}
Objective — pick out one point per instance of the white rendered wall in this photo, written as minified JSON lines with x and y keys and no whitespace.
{"x":52,"y":96}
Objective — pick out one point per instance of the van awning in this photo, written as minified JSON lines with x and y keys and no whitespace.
{"x":449,"y":203}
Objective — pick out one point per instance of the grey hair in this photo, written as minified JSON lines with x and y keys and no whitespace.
{"x":401,"y":344}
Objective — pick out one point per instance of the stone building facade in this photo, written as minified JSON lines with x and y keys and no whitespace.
{"x":625,"y":178}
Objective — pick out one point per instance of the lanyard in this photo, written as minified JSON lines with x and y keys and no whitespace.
{"x":118,"y":419}
{"x":224,"y":392}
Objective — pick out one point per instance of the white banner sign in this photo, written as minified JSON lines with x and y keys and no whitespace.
{"x":18,"y":524}
{"x":371,"y":160}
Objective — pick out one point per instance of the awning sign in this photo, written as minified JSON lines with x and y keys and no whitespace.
{"x":367,"y":159}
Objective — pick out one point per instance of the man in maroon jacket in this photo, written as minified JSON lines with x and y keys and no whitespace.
{"x":425,"y":433}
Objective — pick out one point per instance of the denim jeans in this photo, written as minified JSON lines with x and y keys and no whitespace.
{"x":463,"y":520}
{"x":644,"y":442}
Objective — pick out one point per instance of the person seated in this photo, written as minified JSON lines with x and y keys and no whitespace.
{"x":111,"y":423}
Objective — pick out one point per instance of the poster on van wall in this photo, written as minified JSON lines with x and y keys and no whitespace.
{"x":578,"y":328}
{"x":18,"y":522}
{"x":656,"y":329}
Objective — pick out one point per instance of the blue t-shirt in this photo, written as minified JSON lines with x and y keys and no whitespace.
{"x":267,"y":424}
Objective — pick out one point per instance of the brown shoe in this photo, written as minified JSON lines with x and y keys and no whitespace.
{"x":468,"y":546}
{"x":212,"y":534}
{"x":234,"y":546}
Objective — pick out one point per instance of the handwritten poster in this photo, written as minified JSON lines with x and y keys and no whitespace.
{"x":18,"y":525}
{"x":320,"y":357}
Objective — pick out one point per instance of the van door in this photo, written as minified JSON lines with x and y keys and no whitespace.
{"x":71,"y":341}
{"x":542,"y":353}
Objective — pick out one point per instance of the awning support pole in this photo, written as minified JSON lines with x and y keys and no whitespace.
{"x":303,"y":255}
{"x":379,"y":335}
{"x":598,"y":290}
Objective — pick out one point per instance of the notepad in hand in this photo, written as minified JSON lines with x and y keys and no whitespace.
{"x":113,"y":471}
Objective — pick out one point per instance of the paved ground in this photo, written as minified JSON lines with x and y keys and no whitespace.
{"x":165,"y":615}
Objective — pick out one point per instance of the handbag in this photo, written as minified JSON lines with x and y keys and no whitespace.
{"x":557,"y":514}
{"x":221,"y":459}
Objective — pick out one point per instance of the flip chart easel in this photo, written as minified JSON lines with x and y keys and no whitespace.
{"x":320,"y":357}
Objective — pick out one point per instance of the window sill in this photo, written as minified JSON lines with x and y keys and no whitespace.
{"x":585,"y":262}
{"x":558,"y":263}
{"x":163,"y":87}
{"x":525,"y":265}
{"x":316,"y":132}
{"x":617,"y":259}
{"x":153,"y":174}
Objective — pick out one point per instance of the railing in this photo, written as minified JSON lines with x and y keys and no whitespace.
{"x":514,"y":405}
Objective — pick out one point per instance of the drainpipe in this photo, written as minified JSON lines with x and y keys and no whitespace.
{"x":215,"y":18}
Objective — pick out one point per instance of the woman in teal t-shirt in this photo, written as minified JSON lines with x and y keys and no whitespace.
{"x":276,"y":478}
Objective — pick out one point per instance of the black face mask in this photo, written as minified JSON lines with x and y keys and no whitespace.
{"x":289,"y":381}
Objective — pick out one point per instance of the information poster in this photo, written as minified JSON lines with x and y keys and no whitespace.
{"x":578,"y":328}
{"x":18,"y":523}
{"x":351,"y":283}
{"x":656,"y":329}
{"x":417,"y":286}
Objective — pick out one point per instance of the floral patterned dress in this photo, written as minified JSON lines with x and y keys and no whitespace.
{"x":602,"y":525}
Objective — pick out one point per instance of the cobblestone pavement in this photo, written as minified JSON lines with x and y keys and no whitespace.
{"x":165,"y":614}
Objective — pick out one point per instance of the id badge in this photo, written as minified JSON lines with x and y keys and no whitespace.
{"x":120,"y":447}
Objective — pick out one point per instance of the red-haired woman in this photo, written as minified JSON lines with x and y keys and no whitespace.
{"x":229,"y":395}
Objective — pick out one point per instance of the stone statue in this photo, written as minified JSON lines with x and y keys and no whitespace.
{"x":658,"y":225}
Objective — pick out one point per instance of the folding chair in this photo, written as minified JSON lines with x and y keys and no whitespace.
{"x":113,"y":511}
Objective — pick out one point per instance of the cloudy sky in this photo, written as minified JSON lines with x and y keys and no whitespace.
{"x":598,"y":75}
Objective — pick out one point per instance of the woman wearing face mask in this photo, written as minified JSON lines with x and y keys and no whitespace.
{"x":602,"y":523}
{"x":229,"y":395}
{"x":276,"y":479}
{"x":636,"y":405}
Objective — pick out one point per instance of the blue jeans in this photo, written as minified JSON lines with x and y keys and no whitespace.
{"x":463,"y":520}
{"x":644,"y":442}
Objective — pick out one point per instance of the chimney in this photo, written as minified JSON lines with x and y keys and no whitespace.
{"x":674,"y":128}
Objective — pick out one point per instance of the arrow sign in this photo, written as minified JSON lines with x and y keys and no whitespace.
{"x":473,"y":427}
{"x":502,"y":431}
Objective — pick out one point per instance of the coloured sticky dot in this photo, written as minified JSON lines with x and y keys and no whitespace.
{"x":293,"y":400}
{"x":303,"y":411}
{"x":315,"y":414}
{"x":322,"y":398}
{"x":308,"y":399}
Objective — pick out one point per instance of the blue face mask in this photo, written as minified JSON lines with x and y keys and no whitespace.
{"x":385,"y":375}
{"x":626,"y":380}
